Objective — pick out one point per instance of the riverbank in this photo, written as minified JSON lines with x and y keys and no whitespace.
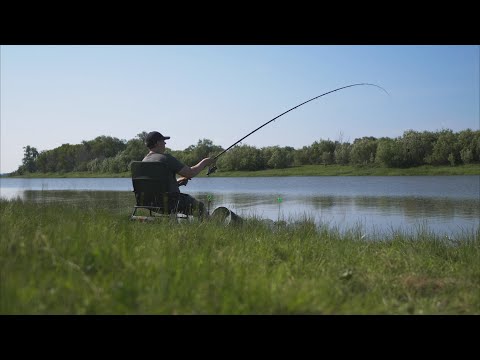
{"x":65,"y":259}
{"x":304,"y":170}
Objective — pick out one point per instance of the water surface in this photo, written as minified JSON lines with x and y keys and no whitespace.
{"x":442,"y":204}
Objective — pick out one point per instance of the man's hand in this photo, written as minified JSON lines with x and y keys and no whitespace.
{"x":183,"y":181}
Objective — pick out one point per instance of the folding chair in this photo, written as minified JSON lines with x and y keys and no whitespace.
{"x":150,"y":185}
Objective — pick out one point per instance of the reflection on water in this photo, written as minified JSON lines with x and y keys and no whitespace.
{"x":415,"y":207}
{"x":445,"y":205}
{"x":116,"y":201}
{"x":372,"y":214}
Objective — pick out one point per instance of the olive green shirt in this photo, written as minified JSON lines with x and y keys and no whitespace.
{"x":173,"y":164}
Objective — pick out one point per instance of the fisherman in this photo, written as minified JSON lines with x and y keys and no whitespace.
{"x":187,"y":204}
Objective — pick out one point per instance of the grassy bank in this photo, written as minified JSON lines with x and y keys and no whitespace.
{"x":340,"y":170}
{"x":304,"y":170}
{"x":61,"y":259}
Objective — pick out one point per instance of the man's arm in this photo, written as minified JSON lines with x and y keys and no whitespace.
{"x":190,"y":172}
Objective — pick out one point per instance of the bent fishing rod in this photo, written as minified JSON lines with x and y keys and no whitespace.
{"x":212,"y":169}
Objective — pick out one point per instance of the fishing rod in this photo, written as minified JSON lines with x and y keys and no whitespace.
{"x":212,"y":169}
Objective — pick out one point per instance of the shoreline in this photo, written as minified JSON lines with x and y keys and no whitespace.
{"x":304,"y":170}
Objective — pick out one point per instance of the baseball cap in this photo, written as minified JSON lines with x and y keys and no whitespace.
{"x":152,"y":138}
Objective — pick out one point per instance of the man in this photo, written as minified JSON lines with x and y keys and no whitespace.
{"x":187,"y":204}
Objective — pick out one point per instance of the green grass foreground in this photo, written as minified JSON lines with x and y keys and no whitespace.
{"x":65,"y":259}
{"x":304,"y":170}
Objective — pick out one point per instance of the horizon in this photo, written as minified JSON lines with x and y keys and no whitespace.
{"x":66,"y":94}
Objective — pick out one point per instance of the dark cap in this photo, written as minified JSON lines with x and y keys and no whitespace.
{"x":152,"y":138}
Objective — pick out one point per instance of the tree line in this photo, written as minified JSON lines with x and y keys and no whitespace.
{"x":106,"y":154}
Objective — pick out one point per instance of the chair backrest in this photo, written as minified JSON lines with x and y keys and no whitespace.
{"x":150,"y":182}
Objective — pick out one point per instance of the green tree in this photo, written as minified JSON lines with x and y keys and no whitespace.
{"x":416,"y":147}
{"x":363,"y":150}
{"x":142,"y":136}
{"x":390,"y":153}
{"x":29,"y":155}
{"x":305,"y":156}
{"x":242,"y":158}
{"x":469,"y":145}
{"x":342,"y":153}
{"x":466,"y":155}
{"x":476,"y":146}
{"x":205,"y":148}
{"x":135,"y":150}
{"x":194,"y":153}
{"x":47,"y":161}
{"x":446,"y":144}
{"x":277,"y":157}
{"x":65,"y":158}
{"x":105,"y":146}
{"x":327,"y":158}
{"x":317,"y":150}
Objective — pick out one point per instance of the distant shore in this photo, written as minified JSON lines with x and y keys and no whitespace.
{"x":304,"y":170}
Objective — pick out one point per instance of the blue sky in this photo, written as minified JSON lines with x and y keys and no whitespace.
{"x":53,"y":95}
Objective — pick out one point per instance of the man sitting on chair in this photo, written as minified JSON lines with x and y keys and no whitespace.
{"x":187,"y":204}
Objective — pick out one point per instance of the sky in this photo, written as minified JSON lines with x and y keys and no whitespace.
{"x":64,"y":94}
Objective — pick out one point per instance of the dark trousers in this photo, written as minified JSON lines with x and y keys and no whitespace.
{"x":188,"y":205}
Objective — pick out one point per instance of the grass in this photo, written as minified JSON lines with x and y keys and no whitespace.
{"x":65,"y":259}
{"x":304,"y":170}
{"x":347,"y":170}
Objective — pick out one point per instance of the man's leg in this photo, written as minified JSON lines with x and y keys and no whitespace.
{"x":190,"y":206}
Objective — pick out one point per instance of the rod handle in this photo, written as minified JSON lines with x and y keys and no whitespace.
{"x":211,"y":170}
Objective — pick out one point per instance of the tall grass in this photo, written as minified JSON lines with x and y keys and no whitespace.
{"x":61,"y":259}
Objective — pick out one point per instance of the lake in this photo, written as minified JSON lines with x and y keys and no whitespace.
{"x":446,"y":205}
